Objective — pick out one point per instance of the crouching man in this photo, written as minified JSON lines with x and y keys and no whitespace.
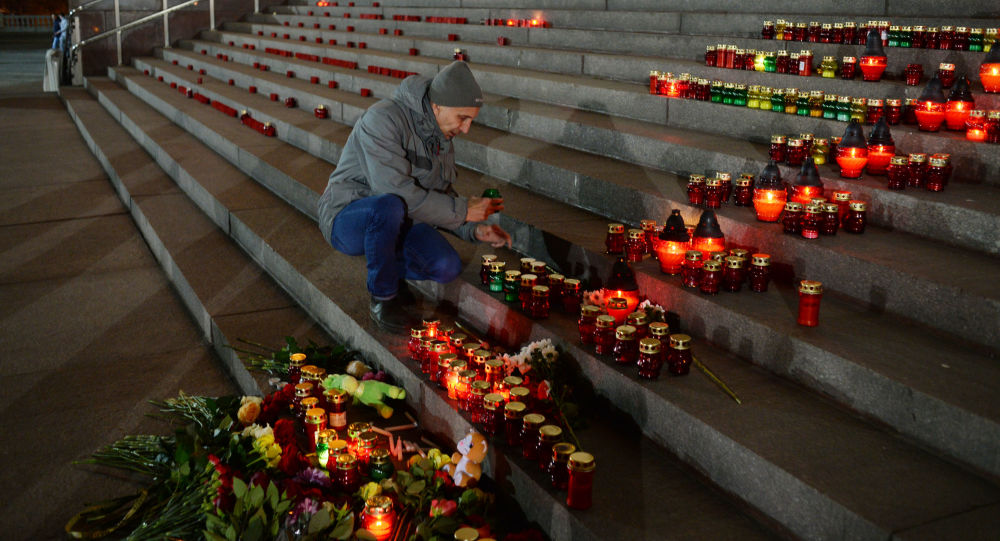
{"x":392,"y":189}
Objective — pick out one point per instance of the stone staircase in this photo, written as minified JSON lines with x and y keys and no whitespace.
{"x":880,"y":423}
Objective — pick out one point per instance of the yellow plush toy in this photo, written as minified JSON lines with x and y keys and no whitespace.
{"x":465,"y":464}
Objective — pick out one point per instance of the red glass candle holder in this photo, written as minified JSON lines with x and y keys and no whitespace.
{"x":614,"y":242}
{"x":856,"y":218}
{"x":852,"y":161}
{"x":711,"y":277}
{"x":671,"y":256}
{"x":778,"y":149}
{"x":768,"y":203}
{"x":989,"y":75}
{"x":872,"y":67}
{"x":810,"y":295}
{"x":581,"y":481}
{"x":898,"y":173}
{"x":946,"y":73}
{"x":893,"y":110}
{"x":878,"y":158}
{"x":790,"y":217}
{"x":604,"y":334}
{"x":930,"y":115}
{"x":956,"y":112}
{"x":759,"y":272}
{"x":917,"y":165}
{"x":913,"y":73}
{"x":696,"y":189}
{"x":937,"y":174}
{"x":743,"y":193}
{"x":691,"y":268}
{"x":976,"y":126}
{"x":713,"y":193}
{"x":635,"y":245}
{"x":848,"y":67}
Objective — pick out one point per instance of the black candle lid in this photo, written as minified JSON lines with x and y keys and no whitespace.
{"x":960,"y":92}
{"x":622,"y":278}
{"x":675,"y":230}
{"x":808,"y":174}
{"x":770,"y":176}
{"x":933,"y":92}
{"x":854,"y":137}
{"x":873,"y":45}
{"x":880,"y":134}
{"x":708,"y":226}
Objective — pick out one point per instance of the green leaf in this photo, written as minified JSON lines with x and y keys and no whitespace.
{"x":255,"y":529}
{"x":231,"y":533}
{"x":344,"y":527}
{"x":239,"y":488}
{"x":418,"y":471}
{"x":425,"y":464}
{"x":256,"y":499}
{"x":416,"y":488}
{"x":365,"y":535}
{"x":213,"y":536}
{"x":272,"y":495}
{"x":319,"y":522}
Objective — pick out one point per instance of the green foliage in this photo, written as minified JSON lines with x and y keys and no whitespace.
{"x":275,"y":361}
{"x":256,"y":516}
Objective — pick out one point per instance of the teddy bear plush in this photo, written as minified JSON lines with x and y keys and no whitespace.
{"x":465,"y":464}
{"x":370,"y":392}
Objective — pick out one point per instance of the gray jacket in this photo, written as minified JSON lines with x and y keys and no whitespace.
{"x":396,"y":147}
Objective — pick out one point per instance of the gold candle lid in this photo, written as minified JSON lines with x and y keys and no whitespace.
{"x":713,"y":182}
{"x":831,"y":208}
{"x":858,"y":206}
{"x":337,"y":396}
{"x":918,"y":158}
{"x":556,"y":279}
{"x":303,"y":389}
{"x":625,"y":332}
{"x":513,"y":381}
{"x":810,"y":287}
{"x":649,"y":346}
{"x":562,"y":450}
{"x":529,"y":279}
{"x":659,"y":328}
{"x":680,"y":341}
{"x":637,"y":319}
{"x":647,"y":225}
{"x":841,"y":196}
{"x":417,"y":332}
{"x":492,"y":401}
{"x":581,"y":462}
{"x":494,"y":365}
{"x":498,"y":266}
{"x":616,"y":228}
{"x":445,"y":359}
{"x":635,"y":234}
{"x":792,"y":206}
{"x":617,"y":303}
{"x":515,"y":407}
{"x":488,"y":258}
{"x":605,"y":321}
{"x":380,"y":456}
{"x":589,"y":310}
{"x":345,"y":461}
{"x":744,"y":182}
{"x":712,"y":266}
{"x":724,"y":176}
{"x":441,"y":346}
{"x":692,"y":255}
{"x":519,"y":393}
{"x":540,"y":291}
{"x":898,"y":160}
{"x":875,"y":102}
{"x":761,"y":260}
{"x":938,"y":161}
{"x":538,"y":267}
{"x":456,"y":365}
{"x":571,"y":284}
{"x":696,"y":179}
{"x":512,"y":276}
{"x":734,"y":262}
{"x":550,"y":432}
{"x":315,"y":416}
{"x":480,"y":387}
{"x":796,"y":142}
{"x":532,"y":420}
{"x":297,"y":359}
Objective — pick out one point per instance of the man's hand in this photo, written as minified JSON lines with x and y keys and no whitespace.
{"x":480,"y":208}
{"x":493,"y":234}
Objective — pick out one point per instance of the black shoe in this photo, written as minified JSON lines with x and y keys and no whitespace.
{"x":391,"y":315}
{"x":405,"y":294}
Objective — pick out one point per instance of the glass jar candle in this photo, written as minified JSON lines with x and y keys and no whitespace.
{"x":604,"y":335}
{"x":477,"y":393}
{"x":484,"y":268}
{"x":539,"y":302}
{"x":759,"y":272}
{"x":937,"y":174}
{"x":413,"y":345}
{"x":820,"y":150}
{"x":363,"y":452}
{"x":778,"y":100}
{"x":476,"y":357}
{"x":541,"y":270}
{"x":843,"y":200}
{"x":790,"y":217}
{"x":572,"y":295}
{"x":711,"y":277}
{"x":295,"y":363}
{"x":844,"y":108}
{"x":617,"y":307}
{"x":438,"y":349}
{"x":778,"y":151}
{"x":443,"y":368}
{"x":626,"y":350}
{"x":512,"y":286}
{"x":548,"y":435}
{"x":710,"y":56}
{"x":726,"y":182}
{"x":893,"y":110}
{"x":315,"y":421}
{"x":781,"y":62}
{"x":809,"y":222}
{"x":640,"y":322}
{"x":828,"y":67}
{"x":917,"y":165}
{"x":530,"y":424}
{"x":426,"y":355}
{"x":556,"y":282}
{"x":648,"y":231}
{"x":587,"y":323}
{"x":655,"y":75}
{"x":526,"y":263}
{"x":455,"y":368}
{"x":766,"y":93}
{"x":650,"y":359}
{"x":679,"y":358}
{"x":513,"y":414}
{"x":691,"y":268}
{"x":492,"y":414}
{"x":975,"y":126}
{"x":496,"y":276}
{"x":521,"y":394}
{"x":830,"y":106}
{"x":347,"y":477}
{"x":744,"y":191}
{"x":856,"y":218}
{"x":732,"y":274}
{"x":874,"y":111}
{"x":859,"y":109}
{"x":805,"y":63}
{"x":494,"y":373}
{"x":581,"y":481}
{"x":380,"y":465}
{"x":767,"y":31}
{"x":696,"y":189}
{"x":528,"y":281}
{"x":898,"y":173}
{"x":852,"y":161}
{"x":796,"y":153}
{"x":713,"y":193}
{"x":558,"y":466}
{"x":816,"y":98}
{"x":302,"y":391}
{"x":336,"y":406}
{"x":829,"y":219}
{"x":635,"y":246}
{"x":660,"y":330}
{"x":810,"y":294}
{"x":848,"y":67}
{"x":791,"y":101}
{"x":615,"y":240}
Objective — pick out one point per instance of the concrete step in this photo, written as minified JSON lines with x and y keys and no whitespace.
{"x":879,"y":269}
{"x":330,"y":286}
{"x":637,"y":50}
{"x":511,"y":72}
{"x":789,"y":473}
{"x":941,"y":408}
{"x":684,"y":16}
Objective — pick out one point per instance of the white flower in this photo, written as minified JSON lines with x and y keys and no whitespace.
{"x":550,"y":353}
{"x":255,"y":431}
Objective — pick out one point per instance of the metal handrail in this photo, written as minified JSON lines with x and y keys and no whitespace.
{"x":135,"y":23}
{"x":82,"y":7}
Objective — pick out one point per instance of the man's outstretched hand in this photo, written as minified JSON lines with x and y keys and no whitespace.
{"x":493,"y":234}
{"x":480,"y":208}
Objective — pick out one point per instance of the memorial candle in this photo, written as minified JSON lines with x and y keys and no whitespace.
{"x":622,"y":284}
{"x":852,"y":152}
{"x":930,"y":106}
{"x":810,"y":294}
{"x":976,"y":126}
{"x":960,"y":104}
{"x":881,"y":148}
{"x":769,"y":195}
{"x":873,"y":61}
{"x":378,"y":517}
{"x":674,"y":241}
{"x":708,"y":235}
{"x":989,"y":71}
{"x":807,"y":183}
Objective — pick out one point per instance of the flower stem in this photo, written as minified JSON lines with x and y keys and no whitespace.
{"x":715,"y":379}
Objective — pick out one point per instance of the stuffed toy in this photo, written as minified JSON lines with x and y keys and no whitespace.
{"x":465,"y":464}
{"x":370,"y":392}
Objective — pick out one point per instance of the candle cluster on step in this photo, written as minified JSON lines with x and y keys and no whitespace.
{"x":531,"y":286}
{"x":852,"y":33}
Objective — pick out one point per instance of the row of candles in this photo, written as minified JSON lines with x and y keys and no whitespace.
{"x":946,"y":37}
{"x":500,"y":405}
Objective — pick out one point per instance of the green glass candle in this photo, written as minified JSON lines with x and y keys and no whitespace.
{"x":381,"y":465}
{"x":770,"y":62}
{"x":830,"y":106}
{"x":716,"y":92}
{"x":497,"y":275}
{"x":802,"y":105}
{"x":778,"y":100}
{"x":727,"y":93}
{"x":844,"y":108}
{"x":741,"y":95}
{"x":512,"y":286}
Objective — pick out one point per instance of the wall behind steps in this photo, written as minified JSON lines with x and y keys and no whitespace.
{"x":141,"y":41}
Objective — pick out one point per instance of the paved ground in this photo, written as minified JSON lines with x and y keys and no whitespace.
{"x":90,"y":330}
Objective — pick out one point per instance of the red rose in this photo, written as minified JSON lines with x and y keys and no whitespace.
{"x":284,"y":433}
{"x":446,"y":479}
{"x":292,"y":461}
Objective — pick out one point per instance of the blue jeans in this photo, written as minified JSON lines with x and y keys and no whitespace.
{"x":394,"y":247}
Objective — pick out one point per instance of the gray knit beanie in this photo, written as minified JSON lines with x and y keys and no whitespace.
{"x":455,"y":86}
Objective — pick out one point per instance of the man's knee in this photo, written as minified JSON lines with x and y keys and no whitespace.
{"x":446,"y":268}
{"x":389,"y":209}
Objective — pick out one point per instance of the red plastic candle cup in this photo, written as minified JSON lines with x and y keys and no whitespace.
{"x":976,"y":126}
{"x":365,"y":92}
{"x":768,"y":203}
{"x":252,"y":89}
{"x":274,"y":96}
{"x":989,"y":76}
{"x":810,"y":295}
{"x":852,"y":161}
{"x":930,"y":115}
{"x":872,"y":67}
{"x":878,"y":158}
{"x":671,"y":256}
{"x":414,"y":52}
{"x":956,"y":112}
